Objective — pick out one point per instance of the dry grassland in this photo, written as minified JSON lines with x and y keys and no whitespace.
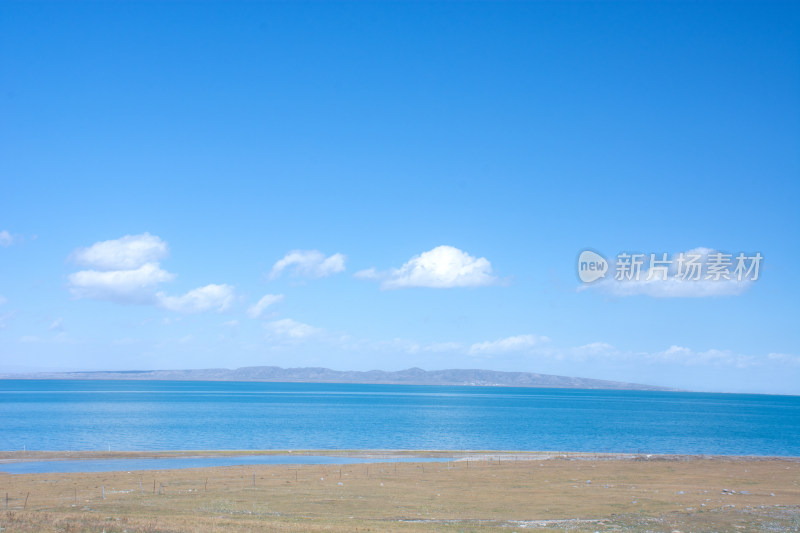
{"x":576,"y":492}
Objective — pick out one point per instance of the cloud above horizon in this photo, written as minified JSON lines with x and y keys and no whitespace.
{"x":127,"y":271}
{"x":308,"y":264}
{"x":528,"y":347}
{"x":441,"y":267}
{"x":509,"y":344}
{"x":289,"y":330}
{"x":211,"y":297}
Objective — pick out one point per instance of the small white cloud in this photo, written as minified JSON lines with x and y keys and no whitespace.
{"x":231,"y":323}
{"x":438,"y":347}
{"x":122,"y":286}
{"x":369,"y":274}
{"x":784,"y":358}
{"x":254,"y":311}
{"x":126,"y":253}
{"x":218,"y":297}
{"x":309,"y":264}
{"x":712,"y":357}
{"x":288,"y":329}
{"x":4,"y":318}
{"x":6,"y":239}
{"x":673,"y":286}
{"x":595,"y":348}
{"x":442,"y":267}
{"x":509,"y":344}
{"x":57,"y":325}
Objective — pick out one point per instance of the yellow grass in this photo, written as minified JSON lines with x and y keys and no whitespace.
{"x":661,"y":493}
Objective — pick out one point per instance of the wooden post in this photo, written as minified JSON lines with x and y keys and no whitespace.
{"x":206,"y":489}
{"x":154,"y":486}
{"x":104,"y":492}
{"x":254,"y":479}
{"x":26,"y":501}
{"x":6,"y":501}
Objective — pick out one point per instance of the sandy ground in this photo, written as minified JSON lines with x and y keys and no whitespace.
{"x":482,"y":491}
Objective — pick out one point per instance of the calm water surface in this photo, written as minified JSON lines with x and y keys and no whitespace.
{"x":169,"y":415}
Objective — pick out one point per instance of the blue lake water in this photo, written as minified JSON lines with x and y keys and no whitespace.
{"x":171,"y":415}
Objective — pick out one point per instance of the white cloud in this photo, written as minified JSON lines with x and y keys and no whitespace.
{"x":442,"y":267}
{"x":596,"y":348}
{"x":254,"y":311}
{"x":288,"y":329}
{"x":6,"y":239}
{"x":438,"y":347}
{"x":5,"y":317}
{"x":713,"y":357}
{"x":59,"y":338}
{"x":674,"y":355}
{"x":369,"y":273}
{"x":784,"y":358}
{"x":308,"y":263}
{"x":126,"y":253}
{"x":217,"y":297}
{"x":126,"y":270}
{"x":57,"y":325}
{"x":672,"y":287}
{"x":509,"y":344}
{"x":122,"y":286}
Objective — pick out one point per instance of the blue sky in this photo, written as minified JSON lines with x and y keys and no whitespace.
{"x":402,"y":184}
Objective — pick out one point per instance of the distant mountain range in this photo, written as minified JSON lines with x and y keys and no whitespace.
{"x":411,"y":376}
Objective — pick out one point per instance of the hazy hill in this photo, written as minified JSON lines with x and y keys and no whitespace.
{"x":411,"y":376}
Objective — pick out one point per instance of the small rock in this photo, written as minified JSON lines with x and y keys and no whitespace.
{"x":340,"y":483}
{"x":680,"y":492}
{"x":588,"y":481}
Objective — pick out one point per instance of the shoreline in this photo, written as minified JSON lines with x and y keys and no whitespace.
{"x":7,"y":457}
